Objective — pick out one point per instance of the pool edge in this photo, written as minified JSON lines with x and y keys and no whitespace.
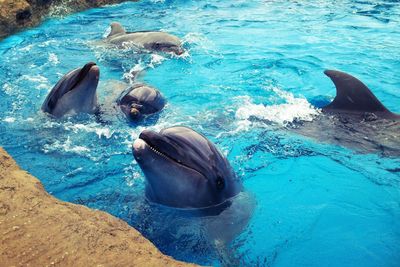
{"x":40,"y":230}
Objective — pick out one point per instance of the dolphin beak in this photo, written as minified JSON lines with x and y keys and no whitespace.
{"x":95,"y":71}
{"x":138,"y":148}
{"x":138,"y":145}
{"x":179,"y":51}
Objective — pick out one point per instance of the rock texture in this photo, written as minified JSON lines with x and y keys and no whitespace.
{"x":18,"y":14}
{"x":36,"y":229}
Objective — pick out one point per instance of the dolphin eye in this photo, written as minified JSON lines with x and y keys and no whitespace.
{"x":157,"y":45}
{"x":220,"y":182}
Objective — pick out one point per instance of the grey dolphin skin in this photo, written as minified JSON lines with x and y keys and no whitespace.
{"x":74,"y":93}
{"x":353,"y":98}
{"x":183,"y":169}
{"x":355,"y":119}
{"x":149,"y":40}
{"x":140,"y":100}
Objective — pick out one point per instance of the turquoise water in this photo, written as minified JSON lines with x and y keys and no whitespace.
{"x":316,"y":204}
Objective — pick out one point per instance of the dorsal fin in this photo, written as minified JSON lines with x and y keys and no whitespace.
{"x":354,"y":96}
{"x":116,"y":28}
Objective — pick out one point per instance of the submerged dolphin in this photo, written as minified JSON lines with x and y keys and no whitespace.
{"x":184,"y":169}
{"x":355,"y":119}
{"x":149,"y":40}
{"x":74,"y":93}
{"x":140,"y":100}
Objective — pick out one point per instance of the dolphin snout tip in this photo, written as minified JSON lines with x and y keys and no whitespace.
{"x":180,"y":51}
{"x":138,"y":145}
{"x":95,"y":70}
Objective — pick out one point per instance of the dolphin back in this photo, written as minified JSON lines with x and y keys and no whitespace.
{"x":355,"y":97}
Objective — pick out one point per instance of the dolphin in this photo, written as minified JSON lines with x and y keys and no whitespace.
{"x":139,"y":100}
{"x":186,"y":172}
{"x":355,"y":119}
{"x":74,"y":93}
{"x":148,"y":40}
{"x":183,"y":169}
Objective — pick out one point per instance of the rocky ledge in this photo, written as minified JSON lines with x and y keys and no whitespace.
{"x":18,"y":14}
{"x":36,"y":229}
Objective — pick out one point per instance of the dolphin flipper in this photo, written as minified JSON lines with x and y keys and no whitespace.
{"x":355,"y":97}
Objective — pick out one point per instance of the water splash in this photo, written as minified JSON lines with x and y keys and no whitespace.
{"x":293,"y":109}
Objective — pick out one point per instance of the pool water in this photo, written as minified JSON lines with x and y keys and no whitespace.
{"x":248,"y":62}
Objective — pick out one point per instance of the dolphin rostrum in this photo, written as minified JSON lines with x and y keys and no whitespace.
{"x":74,"y":93}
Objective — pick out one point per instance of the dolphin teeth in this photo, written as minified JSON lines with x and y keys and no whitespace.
{"x":157,"y":152}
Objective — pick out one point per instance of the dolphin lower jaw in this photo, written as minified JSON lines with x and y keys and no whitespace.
{"x":168,"y":182}
{"x":178,"y":50}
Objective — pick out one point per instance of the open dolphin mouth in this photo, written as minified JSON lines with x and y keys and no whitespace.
{"x":160,"y":148}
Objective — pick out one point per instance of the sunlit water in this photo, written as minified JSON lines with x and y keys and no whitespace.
{"x":316,"y":204}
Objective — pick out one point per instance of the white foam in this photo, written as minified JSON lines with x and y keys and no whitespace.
{"x":293,"y":109}
{"x":8,"y":88}
{"x":35,"y":78}
{"x":90,"y":128}
{"x":67,"y":146}
{"x":9,"y":119}
{"x":201,"y":41}
{"x":107,"y":32}
{"x":134,"y":72}
{"x":53,"y":59}
{"x":49,"y":43}
{"x":156,"y":60}
{"x":197,"y":38}
{"x":26,"y":48}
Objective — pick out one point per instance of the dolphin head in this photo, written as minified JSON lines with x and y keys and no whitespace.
{"x":184,"y":169}
{"x":75,"y":92}
{"x":168,"y":44}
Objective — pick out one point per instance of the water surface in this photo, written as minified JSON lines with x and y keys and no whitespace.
{"x":316,"y":204}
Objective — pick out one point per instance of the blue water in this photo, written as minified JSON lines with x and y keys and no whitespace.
{"x":316,"y":204}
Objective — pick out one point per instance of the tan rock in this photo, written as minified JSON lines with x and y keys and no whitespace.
{"x":36,"y":229}
{"x":19,"y":14}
